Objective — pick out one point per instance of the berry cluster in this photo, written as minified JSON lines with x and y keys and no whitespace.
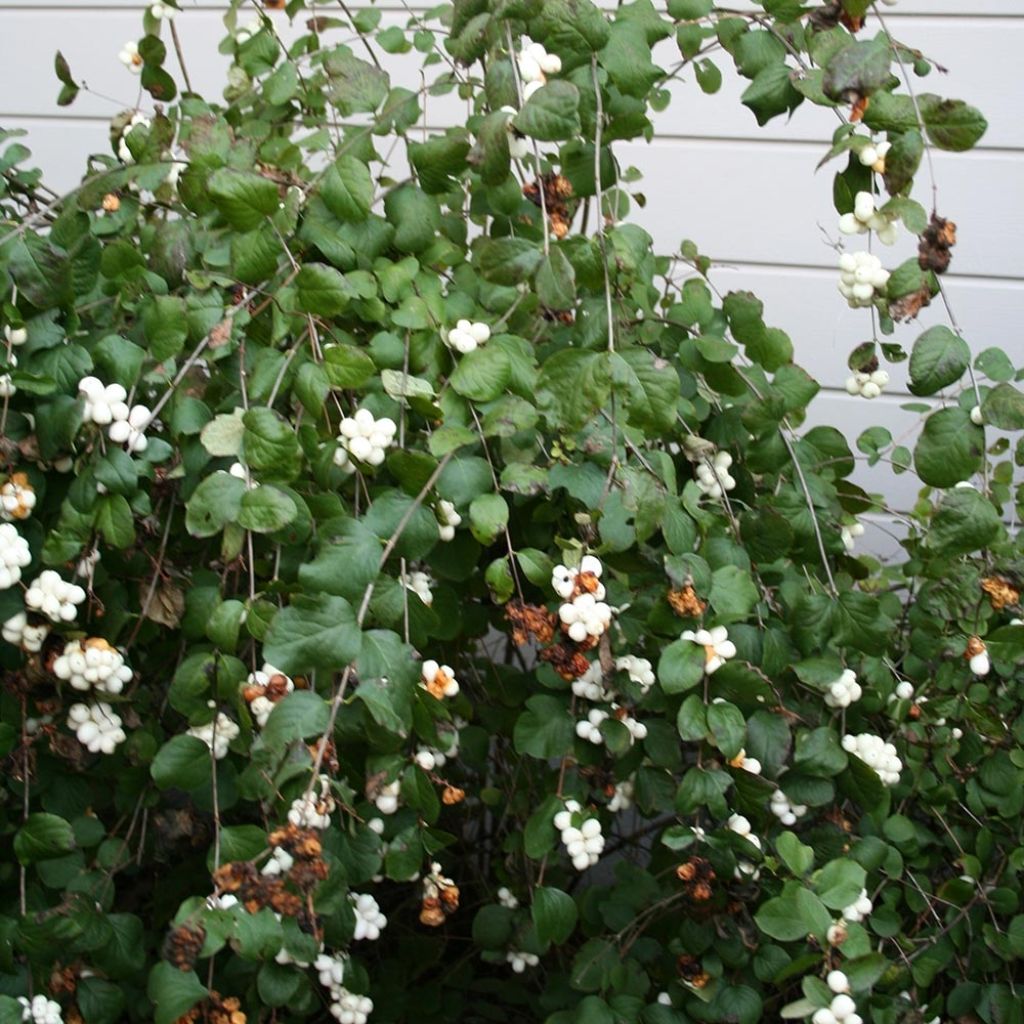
{"x":584,"y":613}
{"x":788,"y":813}
{"x":849,"y":533}
{"x":519,"y":960}
{"x":264,"y":689}
{"x":639,"y":670}
{"x":583,"y":843}
{"x":438,"y":680}
{"x":53,"y":597}
{"x":865,"y":217}
{"x":370,"y":922}
{"x":589,"y":728}
{"x":17,"y":631}
{"x":873,"y":155}
{"x":447,"y":519}
{"x":97,"y":727}
{"x":313,"y":810}
{"x":535,"y":64}
{"x":364,"y":439}
{"x":741,"y":826}
{"x":466,"y":336}
{"x":105,"y":406}
{"x":217,"y":735}
{"x":867,"y":385}
{"x":93,"y":664}
{"x":40,"y":1010}
{"x":14,"y":556}
{"x":17,"y":498}
{"x":976,"y":654}
{"x":718,"y":648}
{"x":844,"y":691}
{"x":419,"y":583}
{"x":860,"y":276}
{"x":877,"y":754}
{"x":386,"y":801}
{"x":713,"y":477}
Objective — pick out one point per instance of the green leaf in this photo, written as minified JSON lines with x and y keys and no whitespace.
{"x":860,"y":621}
{"x":771,"y":93}
{"x":858,"y":69}
{"x":269,"y":445}
{"x":482,"y":375}
{"x":114,"y":520}
{"x":488,"y":517}
{"x":1003,"y":407}
{"x":415,"y":216}
{"x":839,"y":883}
{"x":797,"y":857}
{"x":182,"y":762}
{"x":556,"y":280}
{"x":165,"y":324}
{"x":222,"y":436}
{"x":952,"y":124}
{"x":543,"y":729}
{"x":728,"y":728}
{"x":554,"y":915}
{"x":627,"y":58}
{"x":321,"y":290}
{"x":965,"y":521}
{"x":42,"y":837}
{"x":507,"y":260}
{"x":689,"y":10}
{"x":214,"y":504}
{"x":265,"y":509}
{"x":347,"y":366}
{"x":302,"y":713}
{"x":356,"y":85}
{"x":733,"y":594}
{"x":491,"y":154}
{"x":681,"y":666}
{"x":793,"y":916}
{"x":245,"y":199}
{"x":172,"y":992}
{"x":938,"y":359}
{"x":313,"y":632}
{"x":950,"y":448}
{"x":818,"y":752}
{"x":347,"y":189}
{"x":551,"y":114}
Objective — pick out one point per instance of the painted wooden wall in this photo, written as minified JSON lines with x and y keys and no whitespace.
{"x":748,"y":196}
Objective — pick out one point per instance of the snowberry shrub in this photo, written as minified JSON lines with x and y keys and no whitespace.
{"x":423,"y":602}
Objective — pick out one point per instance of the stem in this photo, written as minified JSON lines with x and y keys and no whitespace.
{"x":599,"y":118}
{"x":181,"y":56}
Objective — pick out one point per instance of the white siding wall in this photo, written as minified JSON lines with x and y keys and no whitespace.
{"x":748,"y":196}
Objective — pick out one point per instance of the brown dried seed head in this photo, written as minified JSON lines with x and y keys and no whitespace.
{"x":111,"y":203}
{"x":685,"y":602}
{"x":184,"y":945}
{"x":975,"y":645}
{"x":686,"y":872}
{"x":700,"y":891}
{"x":450,"y":898}
{"x":914,"y":711}
{"x":431,"y":913}
{"x":1000,"y":592}
{"x":452,"y":795}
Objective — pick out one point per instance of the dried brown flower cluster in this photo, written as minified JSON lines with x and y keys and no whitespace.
{"x":215,"y":1009}
{"x":933,"y":251}
{"x":530,"y":620}
{"x":309,"y":868}
{"x":557,"y":192}
{"x":184,"y":945}
{"x":685,"y":602}
{"x":1001,"y":592}
{"x":256,"y":891}
{"x":691,"y":971}
{"x":698,"y":874}
{"x":276,"y":689}
{"x":440,"y":898}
